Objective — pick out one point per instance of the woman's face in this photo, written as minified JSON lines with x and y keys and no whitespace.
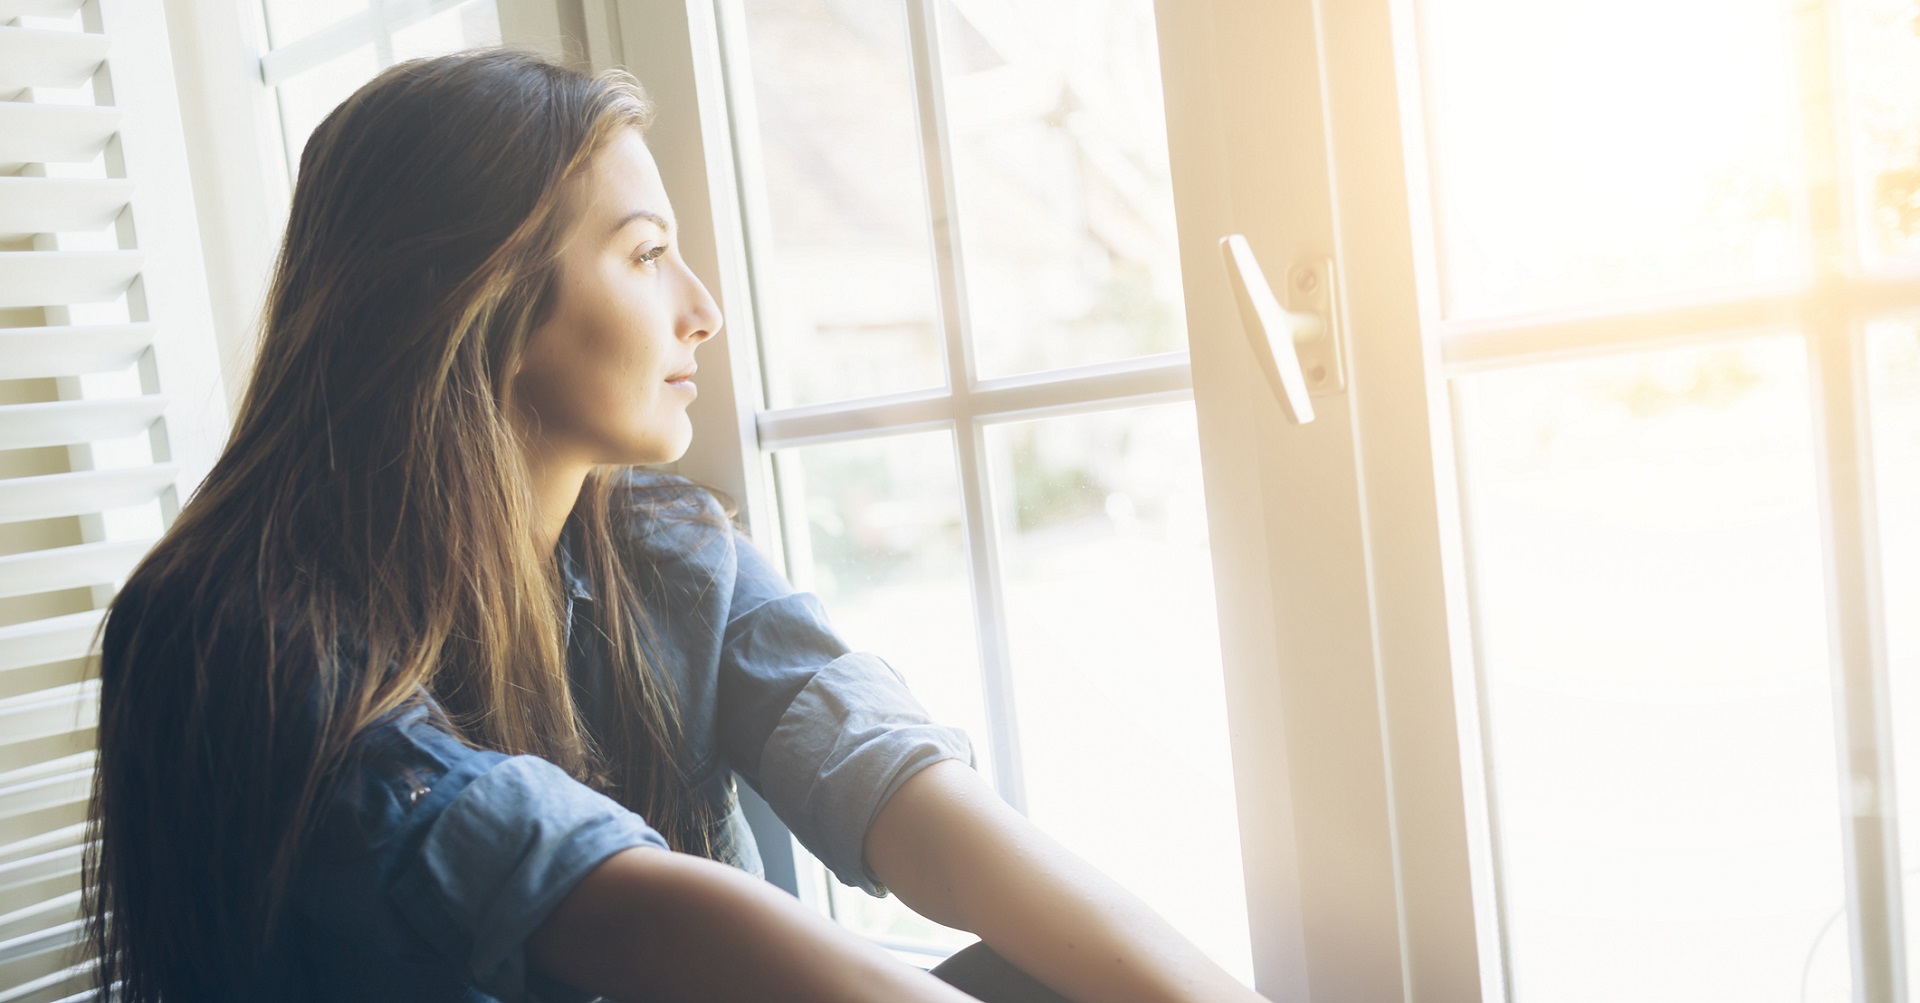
{"x":608,"y":377}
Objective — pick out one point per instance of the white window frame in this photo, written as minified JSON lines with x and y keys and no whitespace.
{"x":1394,"y":812}
{"x":374,"y":26}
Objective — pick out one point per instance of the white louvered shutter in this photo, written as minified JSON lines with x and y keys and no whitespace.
{"x":110,"y":410}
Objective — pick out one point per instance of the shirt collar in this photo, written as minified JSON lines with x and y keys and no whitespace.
{"x":572,"y":575}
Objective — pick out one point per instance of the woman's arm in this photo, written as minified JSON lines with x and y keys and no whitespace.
{"x":952,"y":850}
{"x":649,"y":924}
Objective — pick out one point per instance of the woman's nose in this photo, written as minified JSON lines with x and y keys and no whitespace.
{"x":702,"y":319}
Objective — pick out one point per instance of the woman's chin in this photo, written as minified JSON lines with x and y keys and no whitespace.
{"x":664,"y":449}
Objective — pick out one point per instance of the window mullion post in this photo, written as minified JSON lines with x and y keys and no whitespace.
{"x":969,"y":435}
{"x":1857,"y":636}
{"x":382,"y":33}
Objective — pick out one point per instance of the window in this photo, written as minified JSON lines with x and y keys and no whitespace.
{"x":1608,"y":546}
{"x":976,"y":411}
{"x":1560,"y":657}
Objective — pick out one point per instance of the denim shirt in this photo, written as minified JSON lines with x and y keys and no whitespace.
{"x":436,"y":861}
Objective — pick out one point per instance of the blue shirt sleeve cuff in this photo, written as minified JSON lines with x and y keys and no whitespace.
{"x":845,"y":744}
{"x":502,"y":856}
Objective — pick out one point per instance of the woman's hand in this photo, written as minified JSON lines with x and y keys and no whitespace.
{"x":954,"y":852}
{"x":653,"y":925}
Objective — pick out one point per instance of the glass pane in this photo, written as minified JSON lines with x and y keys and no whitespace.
{"x":843,"y":262}
{"x":1060,"y":158}
{"x":467,"y":26}
{"x":874,"y":529}
{"x":1591,"y":151}
{"x":289,"y":21}
{"x":1650,"y":611}
{"x":307,"y":99}
{"x":1881,"y":59}
{"x":1116,"y":659}
{"x":1893,"y":357}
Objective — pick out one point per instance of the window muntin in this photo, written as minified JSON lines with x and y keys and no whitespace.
{"x":1893,"y":376}
{"x":289,"y":21}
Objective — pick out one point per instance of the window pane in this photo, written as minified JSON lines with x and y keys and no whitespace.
{"x":1881,"y":59}
{"x":467,"y":26}
{"x":1893,"y":354}
{"x":1650,"y":610}
{"x":307,"y":99}
{"x":874,"y":528}
{"x":843,"y":263}
{"x":1116,"y":659}
{"x":289,"y":21}
{"x":1060,"y":157}
{"x":1590,"y":151}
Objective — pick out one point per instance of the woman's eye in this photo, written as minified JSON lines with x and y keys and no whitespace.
{"x":650,"y":255}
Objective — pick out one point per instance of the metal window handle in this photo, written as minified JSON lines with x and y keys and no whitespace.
{"x":1298,"y":343}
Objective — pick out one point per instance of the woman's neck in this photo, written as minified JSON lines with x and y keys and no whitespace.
{"x":556,"y":489}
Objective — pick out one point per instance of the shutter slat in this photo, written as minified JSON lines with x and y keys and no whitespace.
{"x":49,"y":691}
{"x":50,"y":496}
{"x":55,"y":278}
{"x":59,"y":205}
{"x":59,"y":987}
{"x":56,"y":639}
{"x":38,"y":794}
{"x":40,"y":915}
{"x":28,"y":353}
{"x":72,"y":567}
{"x":43,"y":867}
{"x":35,"y":57}
{"x":63,"y":423}
{"x":57,"y":711}
{"x":51,"y":839}
{"x":54,"y":133}
{"x":56,"y":938}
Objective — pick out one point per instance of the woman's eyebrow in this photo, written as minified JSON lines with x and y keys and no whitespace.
{"x":665,"y":225}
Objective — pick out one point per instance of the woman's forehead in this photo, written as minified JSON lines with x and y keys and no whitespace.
{"x":622,"y":185}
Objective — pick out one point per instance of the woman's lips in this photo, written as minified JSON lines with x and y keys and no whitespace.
{"x":683,"y":379}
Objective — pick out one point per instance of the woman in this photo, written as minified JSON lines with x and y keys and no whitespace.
{"x":420,"y":692}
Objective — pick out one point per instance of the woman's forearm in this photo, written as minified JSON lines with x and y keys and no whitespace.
{"x":649,"y":924}
{"x":950,"y":848}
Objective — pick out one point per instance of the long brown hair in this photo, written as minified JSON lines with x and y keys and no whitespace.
{"x":367,"y":536}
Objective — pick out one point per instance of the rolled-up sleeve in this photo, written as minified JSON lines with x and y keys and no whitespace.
{"x":844,"y":745}
{"x":499,"y":859}
{"x":436,"y":852}
{"x":828,"y":734}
